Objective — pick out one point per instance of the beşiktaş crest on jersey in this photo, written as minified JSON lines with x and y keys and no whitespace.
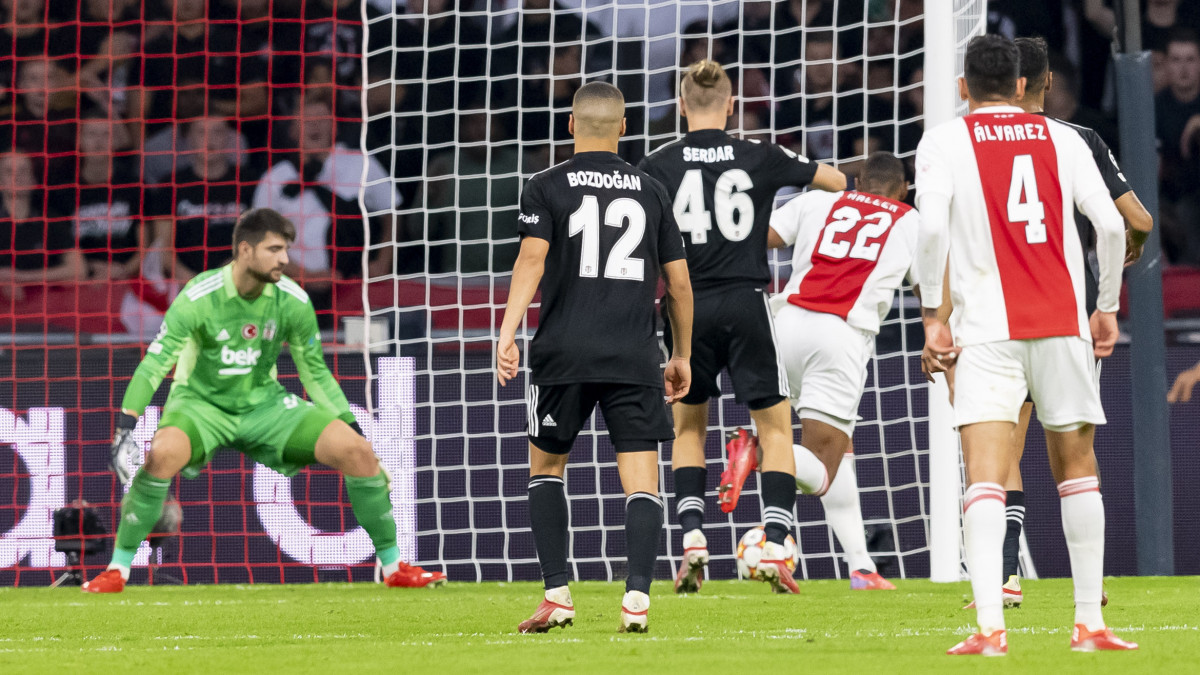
{"x":269,"y":330}
{"x":249,"y":331}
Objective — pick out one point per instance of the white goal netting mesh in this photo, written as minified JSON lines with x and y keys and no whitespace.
{"x":483,"y":97}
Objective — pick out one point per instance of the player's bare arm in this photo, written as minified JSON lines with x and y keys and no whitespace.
{"x":829,"y":179}
{"x":1181,"y":391}
{"x":1138,"y":224}
{"x":678,"y":374}
{"x":527,"y":274}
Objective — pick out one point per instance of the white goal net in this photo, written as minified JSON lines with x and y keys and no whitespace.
{"x":466,"y":100}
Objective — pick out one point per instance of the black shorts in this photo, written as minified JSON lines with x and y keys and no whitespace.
{"x":734,"y":329}
{"x":637,"y":415}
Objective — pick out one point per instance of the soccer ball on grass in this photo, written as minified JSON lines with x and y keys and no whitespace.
{"x":749,"y":552}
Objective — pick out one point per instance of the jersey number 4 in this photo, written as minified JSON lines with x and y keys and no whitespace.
{"x":620,"y":265}
{"x":734,"y":209}
{"x":1030,"y":210}
{"x":846,"y":219}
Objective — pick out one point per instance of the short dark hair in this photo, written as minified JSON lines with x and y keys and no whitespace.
{"x":1035,"y":62}
{"x":882,"y":174}
{"x":1182,"y":34}
{"x":254,"y":225}
{"x":992,"y":66}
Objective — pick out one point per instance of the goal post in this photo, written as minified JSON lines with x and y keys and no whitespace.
{"x":833,"y":83}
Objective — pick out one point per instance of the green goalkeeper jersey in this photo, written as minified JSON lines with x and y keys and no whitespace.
{"x":224,"y":347}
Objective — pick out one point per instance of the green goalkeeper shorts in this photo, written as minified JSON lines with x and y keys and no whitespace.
{"x":280,"y":434}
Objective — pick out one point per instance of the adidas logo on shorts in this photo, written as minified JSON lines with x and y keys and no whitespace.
{"x":548,"y":421}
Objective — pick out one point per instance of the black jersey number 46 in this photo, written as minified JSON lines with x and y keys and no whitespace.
{"x":586,"y":221}
{"x":733,"y":208}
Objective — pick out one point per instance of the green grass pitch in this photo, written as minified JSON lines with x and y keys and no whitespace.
{"x":731,"y":627}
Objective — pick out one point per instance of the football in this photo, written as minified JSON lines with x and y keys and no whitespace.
{"x":749,"y":551}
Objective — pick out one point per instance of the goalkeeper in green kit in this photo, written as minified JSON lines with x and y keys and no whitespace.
{"x":223,"y":335}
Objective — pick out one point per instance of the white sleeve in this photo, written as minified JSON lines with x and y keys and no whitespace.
{"x":1086,"y":178}
{"x":935,"y":174}
{"x":1110,"y":247}
{"x":1093,"y":199}
{"x":933,"y":246}
{"x":786,"y":219}
{"x":912,"y":230}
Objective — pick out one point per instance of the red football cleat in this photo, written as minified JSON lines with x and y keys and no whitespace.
{"x":995,"y":644}
{"x":691,"y":569}
{"x":411,"y":576}
{"x":862,"y":580}
{"x":773,"y":569}
{"x":742,"y":449}
{"x":108,"y":581}
{"x":550,"y":614}
{"x":1084,"y":640}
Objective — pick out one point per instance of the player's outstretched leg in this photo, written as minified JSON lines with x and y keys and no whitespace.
{"x":691,"y":477}
{"x":142,"y":506}
{"x":844,"y":514}
{"x":548,"y":519}
{"x":369,"y":489}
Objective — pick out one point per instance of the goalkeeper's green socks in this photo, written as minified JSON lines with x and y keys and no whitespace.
{"x":140,"y":510}
{"x":372,"y":507}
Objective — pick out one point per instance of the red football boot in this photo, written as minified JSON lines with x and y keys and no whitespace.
{"x":108,"y":581}
{"x":774,"y":570}
{"x":555,"y":609}
{"x":862,"y":580}
{"x":411,"y":576}
{"x":742,"y":449}
{"x":1084,"y":640}
{"x":995,"y":644}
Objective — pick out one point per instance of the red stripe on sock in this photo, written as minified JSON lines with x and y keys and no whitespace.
{"x":1078,"y":486}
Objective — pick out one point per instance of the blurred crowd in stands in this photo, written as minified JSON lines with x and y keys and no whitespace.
{"x":133,"y":133}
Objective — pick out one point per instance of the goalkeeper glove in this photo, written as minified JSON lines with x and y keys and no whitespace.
{"x":124,"y":448}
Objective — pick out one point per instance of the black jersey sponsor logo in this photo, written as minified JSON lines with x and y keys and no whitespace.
{"x":721,"y":154}
{"x":532,"y":218}
{"x":615,"y":180}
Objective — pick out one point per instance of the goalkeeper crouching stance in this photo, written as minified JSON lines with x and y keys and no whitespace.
{"x":223,"y":335}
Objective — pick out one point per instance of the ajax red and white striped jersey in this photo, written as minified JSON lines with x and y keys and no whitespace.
{"x":1016,"y":261}
{"x":852,"y":251}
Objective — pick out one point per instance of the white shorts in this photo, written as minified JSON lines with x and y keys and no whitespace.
{"x":1060,"y":375}
{"x":826,"y":362}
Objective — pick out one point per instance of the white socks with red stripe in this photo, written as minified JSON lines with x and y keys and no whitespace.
{"x":812,"y":478}
{"x":983,"y":527}
{"x":844,"y":514}
{"x":1083,"y":523}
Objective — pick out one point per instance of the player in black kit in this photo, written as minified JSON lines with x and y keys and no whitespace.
{"x":1138,"y":223}
{"x":597,"y":232}
{"x":724,"y":190}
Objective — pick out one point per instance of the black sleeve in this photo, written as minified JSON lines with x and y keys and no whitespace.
{"x":1114,"y":178}
{"x":670,"y":239}
{"x":535,"y":218}
{"x":788,"y":168}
